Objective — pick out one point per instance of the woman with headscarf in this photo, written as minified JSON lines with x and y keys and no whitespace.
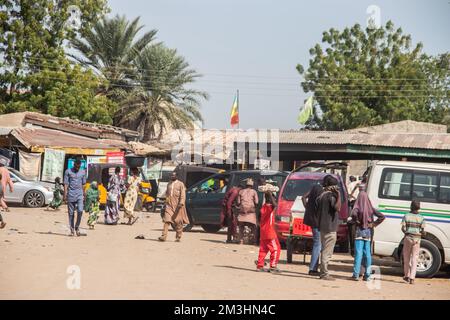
{"x":115,"y":185}
{"x":91,"y":204}
{"x":57,"y":195}
{"x":363,"y":216}
{"x":131,"y":196}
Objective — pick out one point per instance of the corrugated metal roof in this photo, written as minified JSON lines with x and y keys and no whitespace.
{"x":39,"y":137}
{"x":92,"y":130}
{"x":438,"y":141}
{"x":404,"y":126}
{"x":144,"y":149}
{"x":207,"y":138}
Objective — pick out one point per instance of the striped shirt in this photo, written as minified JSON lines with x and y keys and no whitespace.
{"x":413,"y":224}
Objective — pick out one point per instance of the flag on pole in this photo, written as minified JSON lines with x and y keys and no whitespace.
{"x":306,"y":112}
{"x":235,"y":111}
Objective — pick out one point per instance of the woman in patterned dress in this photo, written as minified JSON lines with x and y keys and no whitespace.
{"x":131,"y":196}
{"x":113,"y":198}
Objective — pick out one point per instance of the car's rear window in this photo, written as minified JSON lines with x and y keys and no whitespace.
{"x":295,"y":188}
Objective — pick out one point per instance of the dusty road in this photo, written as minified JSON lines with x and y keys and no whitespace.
{"x":36,"y":254}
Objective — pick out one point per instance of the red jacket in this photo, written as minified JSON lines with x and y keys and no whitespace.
{"x":267,"y":222}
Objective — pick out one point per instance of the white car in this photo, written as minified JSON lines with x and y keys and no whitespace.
{"x":30,"y":193}
{"x":391,"y":187}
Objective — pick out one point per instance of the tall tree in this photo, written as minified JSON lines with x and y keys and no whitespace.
{"x":32,"y":38}
{"x":110,"y":48}
{"x":374,"y":76}
{"x":161,"y":98}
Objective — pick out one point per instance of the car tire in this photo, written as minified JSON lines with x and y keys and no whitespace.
{"x":188,"y":227}
{"x":429,"y":261}
{"x":289,"y":250}
{"x":211,"y":228}
{"x":34,"y":199}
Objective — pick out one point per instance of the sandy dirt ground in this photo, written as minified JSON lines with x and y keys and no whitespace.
{"x":38,"y":260}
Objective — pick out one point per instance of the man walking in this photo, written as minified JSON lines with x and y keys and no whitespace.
{"x":74,"y":181}
{"x":175,"y":208}
{"x":328,"y":207}
{"x":228,"y":218}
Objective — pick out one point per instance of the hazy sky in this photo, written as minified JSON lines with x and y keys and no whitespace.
{"x":254,"y":45}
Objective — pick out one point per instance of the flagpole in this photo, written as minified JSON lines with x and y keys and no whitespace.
{"x":237,"y":95}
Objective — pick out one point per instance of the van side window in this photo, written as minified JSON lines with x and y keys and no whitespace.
{"x":395,"y":184}
{"x":213,"y":185}
{"x":444,"y":189}
{"x":425,"y":186}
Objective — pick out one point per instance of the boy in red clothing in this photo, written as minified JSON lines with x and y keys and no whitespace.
{"x":268,"y":237}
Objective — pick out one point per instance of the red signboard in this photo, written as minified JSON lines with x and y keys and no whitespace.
{"x":118,"y":158}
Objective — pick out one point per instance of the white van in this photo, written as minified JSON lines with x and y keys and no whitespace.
{"x":391,"y":186}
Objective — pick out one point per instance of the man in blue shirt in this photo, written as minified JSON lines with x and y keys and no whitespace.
{"x":74,"y":181}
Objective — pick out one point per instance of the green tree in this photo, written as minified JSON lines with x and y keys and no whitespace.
{"x":161,"y":98}
{"x":32,"y":38}
{"x":110,"y":47}
{"x":68,"y":92}
{"x":374,"y":76}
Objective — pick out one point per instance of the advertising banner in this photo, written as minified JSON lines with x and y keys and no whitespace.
{"x":53,"y":164}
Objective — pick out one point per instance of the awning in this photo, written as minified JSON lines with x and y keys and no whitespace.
{"x":37,"y":139}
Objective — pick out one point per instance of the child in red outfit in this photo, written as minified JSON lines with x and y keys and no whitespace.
{"x":268,"y":237}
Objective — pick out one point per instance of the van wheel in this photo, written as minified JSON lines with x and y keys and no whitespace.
{"x":429,"y":260}
{"x":211,"y":228}
{"x":289,"y":249}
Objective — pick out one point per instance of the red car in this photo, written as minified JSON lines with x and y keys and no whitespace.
{"x":297,"y":184}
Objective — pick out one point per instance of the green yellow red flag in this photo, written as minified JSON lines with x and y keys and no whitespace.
{"x":235,"y":111}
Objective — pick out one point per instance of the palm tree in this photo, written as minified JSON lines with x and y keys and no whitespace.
{"x":110,"y":48}
{"x":161,"y":100}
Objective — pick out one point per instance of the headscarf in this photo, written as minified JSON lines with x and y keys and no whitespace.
{"x":363,"y":210}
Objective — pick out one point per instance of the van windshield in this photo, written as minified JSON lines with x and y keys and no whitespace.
{"x":295,"y":188}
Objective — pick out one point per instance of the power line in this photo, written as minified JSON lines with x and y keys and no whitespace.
{"x":272,"y":85}
{"x":251,"y":76}
{"x":281,"y":95}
